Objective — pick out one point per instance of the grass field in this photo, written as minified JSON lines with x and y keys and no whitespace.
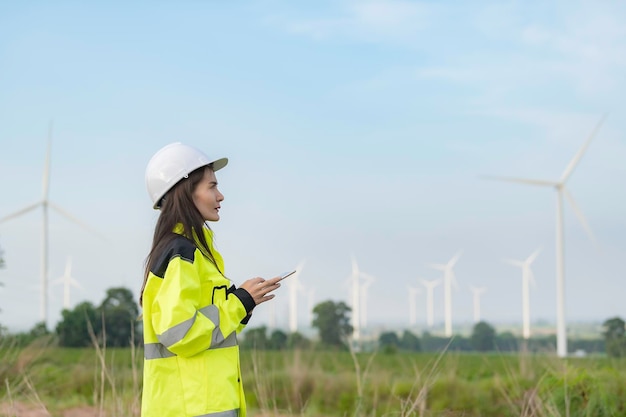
{"x":325,"y":383}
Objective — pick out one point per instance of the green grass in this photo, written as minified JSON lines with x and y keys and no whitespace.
{"x":457,"y":385}
{"x":324,"y":383}
{"x":57,"y":378}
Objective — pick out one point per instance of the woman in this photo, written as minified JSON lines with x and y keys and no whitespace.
{"x":191,"y":310}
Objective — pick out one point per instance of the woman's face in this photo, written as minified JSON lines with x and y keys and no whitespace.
{"x":207,"y":197}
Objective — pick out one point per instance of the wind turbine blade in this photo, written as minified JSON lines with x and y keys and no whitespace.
{"x":570,"y":168}
{"x":439,"y":267}
{"x":527,"y":181}
{"x":477,"y":290}
{"x":513,"y":262}
{"x":355,"y":267}
{"x":68,"y":266}
{"x":368,"y":278}
{"x":430,"y":284}
{"x":300,"y":265}
{"x":533,"y":256}
{"x":455,"y":259}
{"x":75,"y":220}
{"x":20,"y":212}
{"x":299,"y":269}
{"x":579,"y":214}
{"x":46,"y":167}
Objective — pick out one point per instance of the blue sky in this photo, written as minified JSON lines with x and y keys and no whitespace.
{"x":352,"y":128}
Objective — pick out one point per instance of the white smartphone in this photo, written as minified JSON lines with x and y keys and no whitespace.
{"x":286,"y":274}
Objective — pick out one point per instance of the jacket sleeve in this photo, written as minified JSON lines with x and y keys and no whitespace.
{"x":244,"y":323}
{"x":185,"y":326}
{"x":245,"y":298}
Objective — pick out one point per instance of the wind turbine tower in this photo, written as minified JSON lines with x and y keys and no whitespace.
{"x":356,"y":301}
{"x":448,"y":280}
{"x":367,"y":281}
{"x":68,"y":281}
{"x":44,"y":203}
{"x":413,"y":293}
{"x":477,"y":292}
{"x":272,"y":316}
{"x":561,"y":191}
{"x":430,"y":308}
{"x":359,"y":284}
{"x":527,"y":279}
{"x":294,"y":288}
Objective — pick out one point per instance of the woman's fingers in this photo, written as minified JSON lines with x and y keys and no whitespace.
{"x":260,"y":288}
{"x":264,"y":299}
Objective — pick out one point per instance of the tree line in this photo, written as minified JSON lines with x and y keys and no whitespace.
{"x":332,"y":322}
{"x":115,"y":322}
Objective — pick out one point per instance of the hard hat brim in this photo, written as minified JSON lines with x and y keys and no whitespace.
{"x":219,"y":164}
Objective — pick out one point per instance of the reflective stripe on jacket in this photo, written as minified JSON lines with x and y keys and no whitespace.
{"x":191,"y":314}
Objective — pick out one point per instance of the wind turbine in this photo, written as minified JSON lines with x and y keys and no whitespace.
{"x":367,"y":281}
{"x":68,"y":281}
{"x":294,"y":288}
{"x":561,"y":191}
{"x":527,"y":279}
{"x":272,"y":316}
{"x":358,"y":295}
{"x":430,"y":309}
{"x":477,"y":292}
{"x":448,"y":280}
{"x":413,"y":293}
{"x":356,"y":301}
{"x":45,"y":203}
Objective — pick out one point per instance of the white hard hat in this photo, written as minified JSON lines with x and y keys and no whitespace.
{"x":171,"y":164}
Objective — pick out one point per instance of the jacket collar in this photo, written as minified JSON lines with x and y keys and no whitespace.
{"x":208,"y":236}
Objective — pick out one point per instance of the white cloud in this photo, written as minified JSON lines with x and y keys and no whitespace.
{"x":582,"y":51}
{"x":592,"y":50}
{"x":374,"y":20}
{"x":498,"y":49}
{"x":587,"y":46}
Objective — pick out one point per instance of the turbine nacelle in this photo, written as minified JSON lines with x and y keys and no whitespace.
{"x":447,"y":269}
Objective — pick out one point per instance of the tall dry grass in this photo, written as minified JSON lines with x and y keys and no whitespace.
{"x":446,"y":384}
{"x":44,"y":377}
{"x":330,"y":383}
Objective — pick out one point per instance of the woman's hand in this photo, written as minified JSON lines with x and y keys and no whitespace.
{"x":260,"y":288}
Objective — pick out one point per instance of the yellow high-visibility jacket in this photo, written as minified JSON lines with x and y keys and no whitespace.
{"x":191,"y":315}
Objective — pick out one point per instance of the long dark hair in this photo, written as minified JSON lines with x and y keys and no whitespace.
{"x":177,"y":207}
